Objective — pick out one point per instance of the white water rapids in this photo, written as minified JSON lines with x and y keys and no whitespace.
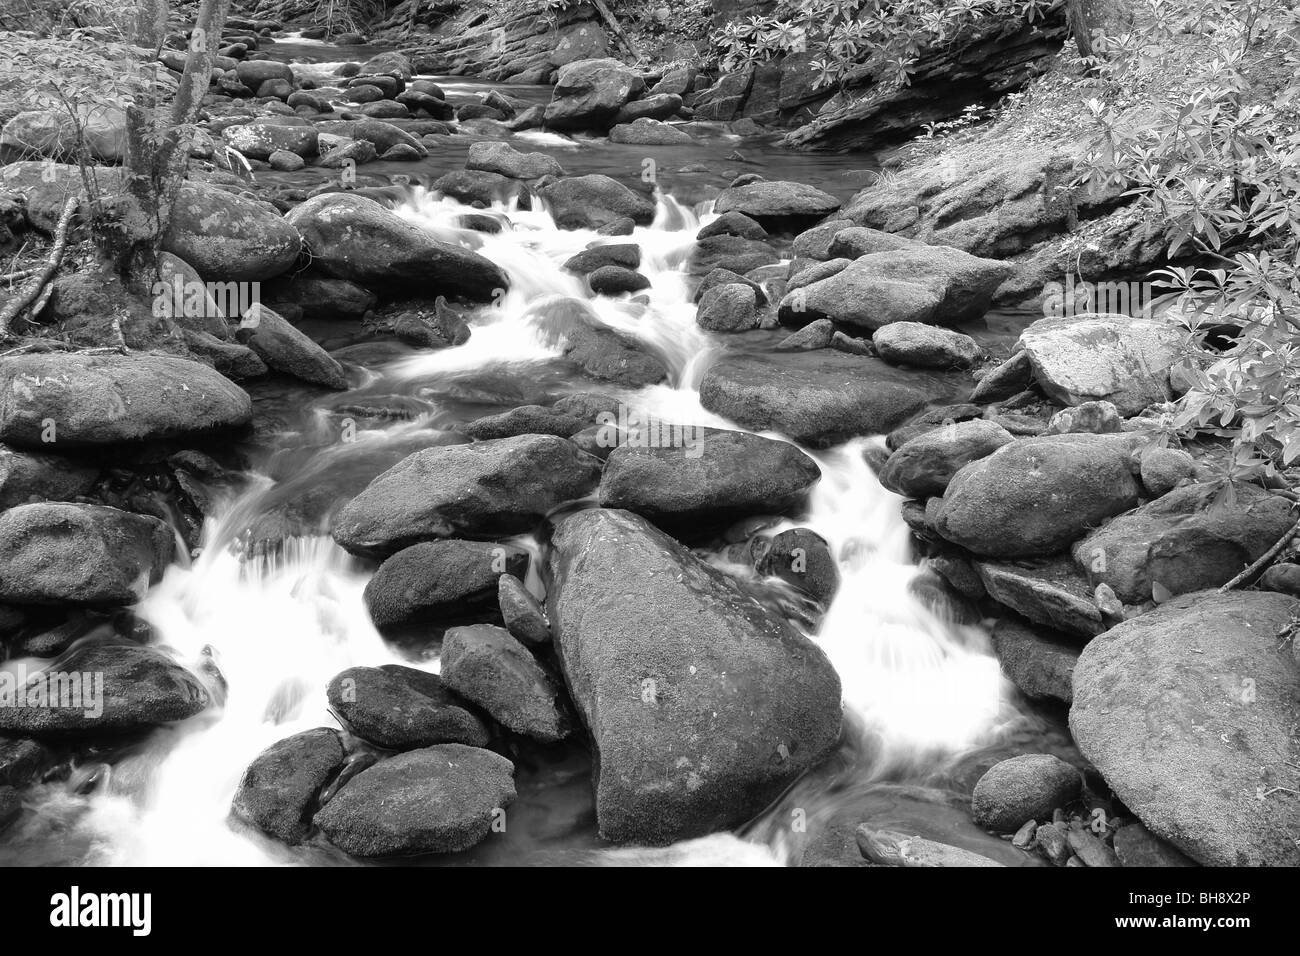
{"x":278,"y":630}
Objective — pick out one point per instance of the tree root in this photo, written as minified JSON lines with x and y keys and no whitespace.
{"x":32,"y":291}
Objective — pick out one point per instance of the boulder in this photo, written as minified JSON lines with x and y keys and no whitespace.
{"x":1192,"y":538}
{"x":522,"y":614}
{"x":1116,"y":358}
{"x":260,"y":140}
{"x":1049,"y":591}
{"x":102,"y":689}
{"x":1137,"y":846}
{"x":75,"y":554}
{"x":1039,"y":662}
{"x":504,"y":159}
{"x":402,"y":708}
{"x":382,"y":136}
{"x":818,"y":399}
{"x":616,"y":280}
{"x":578,"y":41}
{"x":814,"y":335}
{"x":437,"y":580}
{"x":801,"y":557}
{"x":702,"y":707}
{"x":478,"y":188}
{"x":486,"y":665}
{"x":657,"y":106}
{"x":601,"y":352}
{"x":278,"y":791}
{"x":1028,"y":787}
{"x":648,"y":132}
{"x":253,"y":73}
{"x":1036,"y":496}
{"x":1163,"y":469}
{"x":68,"y":399}
{"x":710,"y":475}
{"x":486,"y":488}
{"x":925,"y":284}
{"x":100,"y":129}
{"x":589,"y":93}
{"x":815,"y":242}
{"x":27,"y":476}
{"x":734,"y":253}
{"x":854,"y":242}
{"x":625,"y":254}
{"x":351,"y":237}
{"x":589,"y":202}
{"x":925,"y":346}
{"x":1098,"y":418}
{"x":923,"y":466}
{"x":1188,"y":712}
{"x":285,"y":162}
{"x":731,"y":307}
{"x":732,"y":224}
{"x":399,"y":64}
{"x":227,"y":237}
{"x":322,"y":297}
{"x":775,"y":205}
{"x":286,"y":349}
{"x":439,"y":799}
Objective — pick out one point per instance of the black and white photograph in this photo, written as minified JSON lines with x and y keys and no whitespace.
{"x":651,"y":434}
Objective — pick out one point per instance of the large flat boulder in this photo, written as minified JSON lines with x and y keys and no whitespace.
{"x":776,"y":202}
{"x":711,"y":475}
{"x":487,"y":488}
{"x":1121,"y":359}
{"x":817,"y":398}
{"x":1189,"y":713}
{"x":701,"y":705}
{"x":352,"y":237}
{"x":61,"y":399}
{"x":927,"y":284}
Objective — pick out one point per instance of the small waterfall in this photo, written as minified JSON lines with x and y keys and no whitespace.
{"x":279,"y":627}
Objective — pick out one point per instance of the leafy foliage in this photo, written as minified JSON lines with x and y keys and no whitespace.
{"x":1216,"y":156}
{"x":882,"y":39}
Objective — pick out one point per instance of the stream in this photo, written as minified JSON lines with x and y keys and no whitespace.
{"x":925,"y":703}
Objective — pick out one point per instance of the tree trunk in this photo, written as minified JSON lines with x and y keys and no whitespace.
{"x":1088,"y":17}
{"x":159,"y":139}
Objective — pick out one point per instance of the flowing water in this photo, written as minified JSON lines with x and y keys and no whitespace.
{"x":269,"y":631}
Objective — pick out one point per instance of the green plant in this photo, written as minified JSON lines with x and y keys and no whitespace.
{"x":1215,"y":156}
{"x":880,"y":39}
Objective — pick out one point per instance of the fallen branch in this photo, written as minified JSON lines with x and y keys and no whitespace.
{"x":1264,"y":560}
{"x":19,"y":275}
{"x":32,"y":290}
{"x":614,"y":25}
